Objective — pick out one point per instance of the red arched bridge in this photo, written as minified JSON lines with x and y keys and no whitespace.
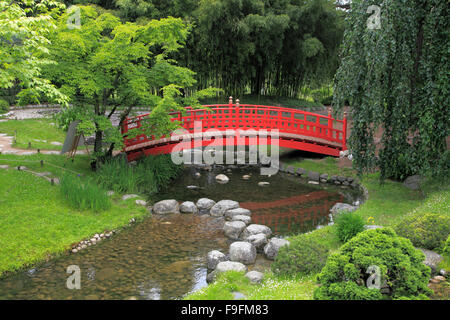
{"x":297,"y":129}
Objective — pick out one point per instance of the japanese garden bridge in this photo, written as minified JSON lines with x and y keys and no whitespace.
{"x":297,"y":129}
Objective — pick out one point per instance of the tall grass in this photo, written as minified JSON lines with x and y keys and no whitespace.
{"x":149,"y":175}
{"x":84,"y":195}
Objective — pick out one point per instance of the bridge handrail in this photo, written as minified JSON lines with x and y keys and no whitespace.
{"x":209,"y":112}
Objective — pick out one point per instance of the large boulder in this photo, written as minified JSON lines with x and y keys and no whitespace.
{"x":254,"y":276}
{"x":229,"y":214}
{"x":166,"y":206}
{"x":432,"y":259}
{"x":222,"y":178}
{"x":243,"y":252}
{"x":204,"y":205}
{"x":258,"y":240}
{"x":271,"y":249}
{"x":246,"y":219}
{"x":313,"y":176}
{"x":413,"y":182}
{"x":225,"y":266}
{"x":233,"y":229}
{"x":255,"y":229}
{"x":188,"y":207}
{"x":213,"y":258}
{"x":341,"y":208}
{"x":230,"y":266}
{"x":219,"y":209}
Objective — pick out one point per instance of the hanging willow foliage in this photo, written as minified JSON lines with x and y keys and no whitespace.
{"x":394,"y":76}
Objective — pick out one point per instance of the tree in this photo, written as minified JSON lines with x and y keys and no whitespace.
{"x":24,"y":30}
{"x":105,"y":66}
{"x":394,"y":75}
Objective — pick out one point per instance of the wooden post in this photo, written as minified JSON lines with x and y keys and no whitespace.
{"x":29,"y":145}
{"x":230,"y":101}
{"x":344,"y":132}
{"x":42,"y":163}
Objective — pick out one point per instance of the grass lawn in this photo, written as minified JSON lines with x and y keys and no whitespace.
{"x":325,"y":165}
{"x":386,"y":204}
{"x":31,"y":130}
{"x":37,"y":223}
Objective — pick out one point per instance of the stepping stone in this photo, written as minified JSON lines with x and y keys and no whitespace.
{"x":254,"y":276}
{"x":141,"y":202}
{"x":55,"y":143}
{"x":129,"y":196}
{"x":4,"y":166}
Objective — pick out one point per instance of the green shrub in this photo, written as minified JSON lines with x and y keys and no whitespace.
{"x":302,"y":256}
{"x":425,"y":230}
{"x":447,"y":246}
{"x":4,"y":106}
{"x":349,"y":225}
{"x":402,"y":272}
{"x":27,"y":97}
{"x":84,"y":195}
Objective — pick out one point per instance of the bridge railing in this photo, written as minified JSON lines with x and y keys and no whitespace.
{"x":244,"y":116}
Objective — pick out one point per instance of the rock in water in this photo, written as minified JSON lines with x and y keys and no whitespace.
{"x":166,"y":206}
{"x":246,"y":219}
{"x":258,"y":240}
{"x":229,"y":214}
{"x":204,"y":205}
{"x":243,"y":252}
{"x":271,"y":249}
{"x":188,"y":207}
{"x":233,"y":229}
{"x":341,"y":208}
{"x":222,"y":206}
{"x":255,"y":229}
{"x":213,"y":258}
{"x":222,"y":178}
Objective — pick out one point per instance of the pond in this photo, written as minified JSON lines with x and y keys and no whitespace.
{"x":164,"y":257}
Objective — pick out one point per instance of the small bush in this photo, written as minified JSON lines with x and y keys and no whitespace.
{"x":27,"y":97}
{"x":349,"y":225}
{"x":401,"y":270}
{"x":302,"y":256}
{"x":4,"y":106}
{"x":425,"y":230}
{"x":84,"y":195}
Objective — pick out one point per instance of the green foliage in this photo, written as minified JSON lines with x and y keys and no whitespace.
{"x":400,"y":266}
{"x":105,"y":65}
{"x":349,"y":225}
{"x":396,"y":78}
{"x":84,"y":194}
{"x":25,"y":27}
{"x":425,"y":230}
{"x":269,"y":47}
{"x":446,"y":249}
{"x":69,"y":114}
{"x":149,"y":175}
{"x":302,"y":256}
{"x":4,"y":106}
{"x":27,"y":97}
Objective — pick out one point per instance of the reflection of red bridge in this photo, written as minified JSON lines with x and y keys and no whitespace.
{"x":293,"y":212}
{"x":298,"y":129}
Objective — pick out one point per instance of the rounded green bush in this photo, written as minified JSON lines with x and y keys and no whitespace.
{"x":349,"y":225}
{"x":347,"y":274}
{"x":425,"y":230}
{"x":4,"y":106}
{"x":301,"y":256}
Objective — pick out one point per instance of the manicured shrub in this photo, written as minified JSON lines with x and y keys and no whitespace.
{"x":349,"y":225}
{"x":302,"y":256}
{"x":84,"y":194}
{"x":402,"y":274}
{"x":425,"y":230}
{"x":4,"y":106}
